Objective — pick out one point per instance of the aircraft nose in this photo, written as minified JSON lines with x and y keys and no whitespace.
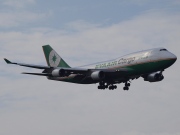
{"x":173,"y":57}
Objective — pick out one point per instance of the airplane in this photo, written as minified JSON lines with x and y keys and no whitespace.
{"x":148,"y":64}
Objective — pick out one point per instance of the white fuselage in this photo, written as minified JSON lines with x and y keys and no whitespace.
{"x":134,"y":58}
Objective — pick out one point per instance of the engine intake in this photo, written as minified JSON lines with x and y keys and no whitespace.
{"x":58,"y":73}
{"x":98,"y":75}
{"x":154,"y":77}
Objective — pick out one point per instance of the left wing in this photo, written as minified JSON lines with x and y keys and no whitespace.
{"x":27,"y":65}
{"x":57,"y":71}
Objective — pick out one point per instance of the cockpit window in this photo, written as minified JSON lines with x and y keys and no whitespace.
{"x":163,"y":49}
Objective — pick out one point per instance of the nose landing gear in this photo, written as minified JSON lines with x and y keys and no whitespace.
{"x":127,"y":85}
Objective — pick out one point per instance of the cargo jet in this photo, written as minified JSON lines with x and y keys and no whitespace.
{"x":148,"y":64}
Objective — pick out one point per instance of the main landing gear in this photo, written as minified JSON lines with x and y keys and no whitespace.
{"x":111,"y":86}
{"x":104,"y":86}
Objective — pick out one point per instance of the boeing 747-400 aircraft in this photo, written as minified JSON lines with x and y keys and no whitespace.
{"x":148,"y":64}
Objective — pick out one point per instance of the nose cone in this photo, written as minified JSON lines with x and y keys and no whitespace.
{"x":168,"y":58}
{"x":172,"y":57}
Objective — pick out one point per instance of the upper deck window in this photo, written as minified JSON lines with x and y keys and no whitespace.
{"x":163,"y":49}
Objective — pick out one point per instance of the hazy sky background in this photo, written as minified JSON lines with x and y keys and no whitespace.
{"x":83,"y":32}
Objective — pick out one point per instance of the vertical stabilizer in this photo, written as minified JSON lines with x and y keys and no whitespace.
{"x":52,"y":58}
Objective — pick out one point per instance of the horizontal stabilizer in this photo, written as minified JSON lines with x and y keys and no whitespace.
{"x":40,"y":74}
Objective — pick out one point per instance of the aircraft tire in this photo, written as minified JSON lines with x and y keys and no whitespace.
{"x":126,"y":88}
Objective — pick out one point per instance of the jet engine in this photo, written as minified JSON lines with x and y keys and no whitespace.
{"x":58,"y":73}
{"x":154,"y":77}
{"x":97,"y":75}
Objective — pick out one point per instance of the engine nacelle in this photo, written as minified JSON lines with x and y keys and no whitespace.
{"x":58,"y":73}
{"x":97,"y":75}
{"x":154,"y":77}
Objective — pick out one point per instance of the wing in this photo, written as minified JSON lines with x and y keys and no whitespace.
{"x":48,"y":71}
{"x":27,"y":65}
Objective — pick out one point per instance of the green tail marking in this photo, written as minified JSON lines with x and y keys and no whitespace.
{"x":52,"y":58}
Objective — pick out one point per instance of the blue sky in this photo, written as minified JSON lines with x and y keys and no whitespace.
{"x":84,"y":32}
{"x":57,"y":14}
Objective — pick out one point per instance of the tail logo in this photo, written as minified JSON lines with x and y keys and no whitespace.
{"x":54,"y":59}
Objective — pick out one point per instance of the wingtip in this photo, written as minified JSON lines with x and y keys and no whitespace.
{"x":7,"y":61}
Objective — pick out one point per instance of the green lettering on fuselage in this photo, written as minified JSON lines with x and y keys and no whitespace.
{"x":114,"y":63}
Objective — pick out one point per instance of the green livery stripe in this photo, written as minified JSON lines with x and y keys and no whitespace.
{"x":153,"y":66}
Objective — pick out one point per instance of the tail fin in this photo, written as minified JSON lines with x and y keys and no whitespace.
{"x":52,"y":58}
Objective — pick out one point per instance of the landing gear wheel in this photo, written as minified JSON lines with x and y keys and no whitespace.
{"x":126,"y":88}
{"x":112,"y":87}
{"x":105,"y":85}
{"x":127,"y":85}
